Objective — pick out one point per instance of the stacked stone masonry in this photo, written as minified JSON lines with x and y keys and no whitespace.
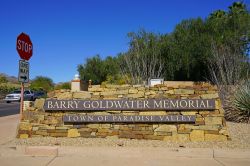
{"x":209,"y":125}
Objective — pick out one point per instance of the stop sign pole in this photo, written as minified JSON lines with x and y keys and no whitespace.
{"x":24,"y":48}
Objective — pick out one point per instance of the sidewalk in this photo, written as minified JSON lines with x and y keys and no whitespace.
{"x":11,"y":154}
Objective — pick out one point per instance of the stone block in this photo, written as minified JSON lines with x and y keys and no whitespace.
{"x":137,"y":95}
{"x":205,"y":127}
{"x":189,"y":112}
{"x":103,"y":130}
{"x":169,"y":92}
{"x":95,"y":93}
{"x":176,"y":84}
{"x":137,"y":86}
{"x":197,"y":135}
{"x":39,"y":103}
{"x":95,"y":126}
{"x":199,"y":121}
{"x":123,"y":134}
{"x":211,"y":132}
{"x":116,"y":127}
{"x":210,"y":96}
{"x":39,"y":117}
{"x":65,"y":95}
{"x":35,"y":128}
{"x":183,"y":91}
{"x":101,"y":113}
{"x":114,"y":112}
{"x":24,"y":136}
{"x":180,"y":137}
{"x":62,"y":128}
{"x":95,"y":88}
{"x":213,"y":120}
{"x":58,"y":134}
{"x":133,"y":91}
{"x":113,"y":132}
{"x":164,"y":88}
{"x":151,"y":92}
{"x":24,"y":132}
{"x":204,"y":112}
{"x":162,"y":133}
{"x":167,"y":138}
{"x":214,"y":137}
{"x":122,"y":92}
{"x":153,"y":113}
{"x":130,"y":113}
{"x":143,"y":132}
{"x":42,"y":132}
{"x":72,"y":133}
{"x":125,"y":128}
{"x":182,"y":129}
{"x":153,"y":137}
{"x":154,"y":88}
{"x":218,"y":104}
{"x":81,"y":95}
{"x":166,"y":128}
{"x":85,"y":129}
{"x":200,"y":92}
{"x":155,"y":126}
{"x":25,"y":126}
{"x":46,"y":127}
{"x":105,"y":125}
{"x":85,"y":134}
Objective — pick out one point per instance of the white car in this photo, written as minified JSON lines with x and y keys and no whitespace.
{"x":16,"y":96}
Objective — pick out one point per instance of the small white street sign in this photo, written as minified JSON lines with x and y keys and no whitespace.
{"x":23,"y":74}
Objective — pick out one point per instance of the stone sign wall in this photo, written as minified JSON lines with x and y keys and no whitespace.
{"x":184,"y":124}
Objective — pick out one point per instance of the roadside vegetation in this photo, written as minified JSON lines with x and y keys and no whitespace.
{"x":215,"y":49}
{"x":38,"y":84}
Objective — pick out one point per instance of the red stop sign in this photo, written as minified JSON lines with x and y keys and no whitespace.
{"x":24,"y":46}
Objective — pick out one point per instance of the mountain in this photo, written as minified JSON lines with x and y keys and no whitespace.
{"x":11,"y":79}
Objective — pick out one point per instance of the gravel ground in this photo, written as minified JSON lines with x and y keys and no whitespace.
{"x":239,"y":133}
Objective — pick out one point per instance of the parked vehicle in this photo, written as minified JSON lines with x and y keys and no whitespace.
{"x":39,"y":94}
{"x":16,"y":96}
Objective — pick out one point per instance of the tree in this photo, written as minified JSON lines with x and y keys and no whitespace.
{"x":185,"y":54}
{"x":190,"y":47}
{"x":42,"y":83}
{"x":143,"y":59}
{"x":229,"y":62}
{"x":98,"y":70}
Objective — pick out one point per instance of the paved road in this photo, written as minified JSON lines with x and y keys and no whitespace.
{"x":8,"y":108}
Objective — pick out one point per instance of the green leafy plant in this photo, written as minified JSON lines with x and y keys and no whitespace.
{"x":242,"y":100}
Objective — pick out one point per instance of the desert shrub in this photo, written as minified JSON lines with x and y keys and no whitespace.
{"x":241,"y":101}
{"x":65,"y":85}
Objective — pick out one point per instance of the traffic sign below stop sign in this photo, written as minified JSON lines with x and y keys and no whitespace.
{"x":24,"y":46}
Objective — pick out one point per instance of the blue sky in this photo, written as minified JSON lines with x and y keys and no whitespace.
{"x":66,"y":32}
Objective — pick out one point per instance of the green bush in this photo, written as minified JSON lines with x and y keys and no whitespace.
{"x":42,"y":83}
{"x":242,"y":100}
